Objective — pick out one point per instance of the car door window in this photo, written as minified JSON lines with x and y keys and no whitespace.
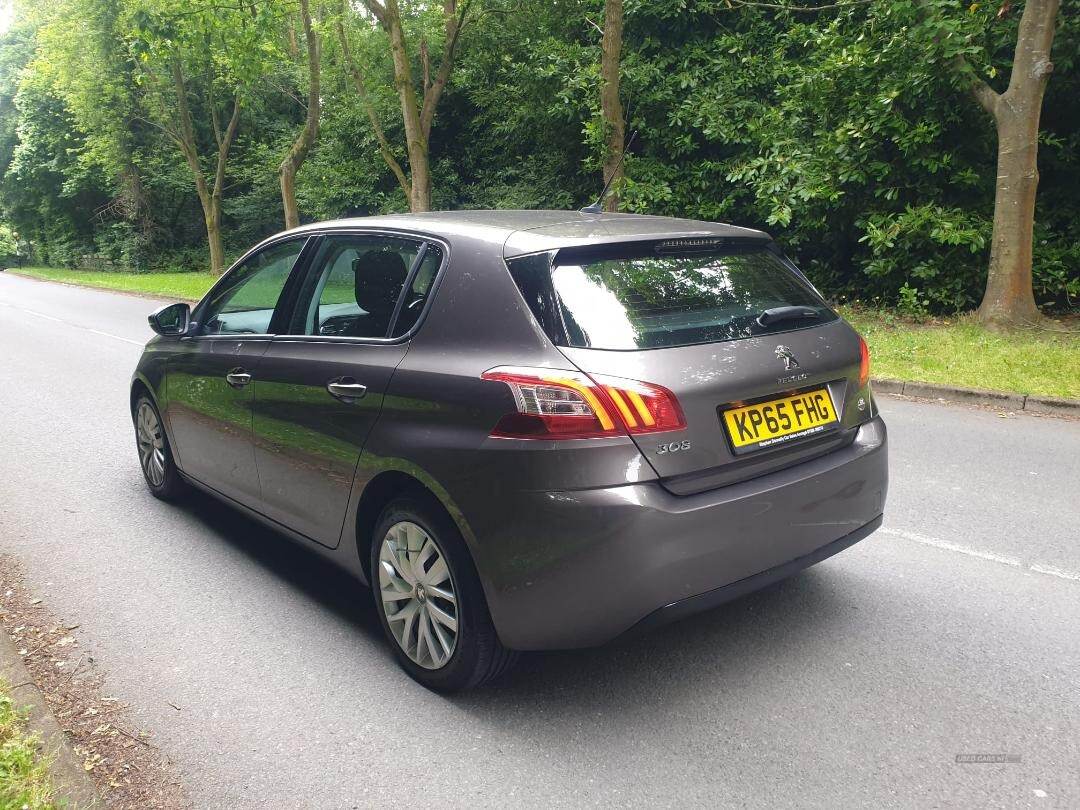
{"x":354,"y":286}
{"x":417,"y":294}
{"x":245,"y":303}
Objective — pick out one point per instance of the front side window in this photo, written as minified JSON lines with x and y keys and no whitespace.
{"x":245,"y":303}
{"x":355,"y":285}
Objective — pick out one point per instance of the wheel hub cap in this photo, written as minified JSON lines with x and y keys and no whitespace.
{"x":418,"y":595}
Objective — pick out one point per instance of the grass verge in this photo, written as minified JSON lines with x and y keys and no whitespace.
{"x":949,"y":351}
{"x":24,"y":773}
{"x":180,"y":286}
{"x":956,"y":351}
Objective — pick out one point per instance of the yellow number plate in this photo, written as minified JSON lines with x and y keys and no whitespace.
{"x":768,"y":424}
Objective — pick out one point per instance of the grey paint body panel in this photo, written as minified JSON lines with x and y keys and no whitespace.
{"x":589,"y":564}
{"x":307,"y":443}
{"x":575,"y":541}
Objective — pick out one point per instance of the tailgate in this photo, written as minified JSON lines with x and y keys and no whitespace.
{"x":765,"y":373}
{"x":714,"y":380}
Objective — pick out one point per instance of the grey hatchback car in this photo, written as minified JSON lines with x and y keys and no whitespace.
{"x":526,"y":430}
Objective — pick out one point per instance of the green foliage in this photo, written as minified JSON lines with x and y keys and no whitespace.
{"x":24,"y":773}
{"x":945,"y":279}
{"x":9,"y":242}
{"x":846,"y":132}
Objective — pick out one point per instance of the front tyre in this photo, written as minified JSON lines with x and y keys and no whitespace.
{"x":430,"y":601}
{"x":155,"y":457}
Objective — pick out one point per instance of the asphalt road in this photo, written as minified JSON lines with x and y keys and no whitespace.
{"x":953,"y":630}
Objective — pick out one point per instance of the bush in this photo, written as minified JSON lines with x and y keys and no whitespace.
{"x":120,"y":244}
{"x":946,"y":278}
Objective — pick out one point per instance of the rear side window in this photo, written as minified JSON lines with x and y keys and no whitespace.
{"x":636,"y":299}
{"x":417,"y":293}
{"x":354,"y":287}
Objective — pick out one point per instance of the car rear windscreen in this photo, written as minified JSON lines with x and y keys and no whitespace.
{"x":648,"y":301}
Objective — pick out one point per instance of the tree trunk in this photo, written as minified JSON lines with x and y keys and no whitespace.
{"x":1009,"y":301}
{"x":212,"y":218}
{"x":184,"y":135}
{"x":420,"y":182}
{"x":417,"y":117}
{"x":369,"y":108}
{"x":415,"y":139}
{"x":610,"y":105}
{"x":287,"y":173}
{"x":298,"y":152}
{"x":211,"y":208}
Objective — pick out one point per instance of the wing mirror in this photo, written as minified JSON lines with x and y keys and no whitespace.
{"x":175,"y":319}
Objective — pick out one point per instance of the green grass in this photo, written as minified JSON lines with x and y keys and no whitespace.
{"x":949,"y":351}
{"x":956,"y":351}
{"x":24,"y":773}
{"x":179,"y":286}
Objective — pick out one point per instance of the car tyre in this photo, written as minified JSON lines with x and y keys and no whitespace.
{"x":155,"y":456}
{"x":421,"y":569}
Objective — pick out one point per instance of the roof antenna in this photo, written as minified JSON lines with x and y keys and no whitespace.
{"x":596,"y":207}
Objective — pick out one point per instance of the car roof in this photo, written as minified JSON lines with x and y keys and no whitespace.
{"x":523,"y":231}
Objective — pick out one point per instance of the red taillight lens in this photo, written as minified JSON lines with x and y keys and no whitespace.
{"x":643,"y":407}
{"x":555,"y":404}
{"x":864,"y":363}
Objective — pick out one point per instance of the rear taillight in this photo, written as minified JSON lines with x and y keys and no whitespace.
{"x":643,"y":407}
{"x":555,"y":404}
{"x":864,"y":363}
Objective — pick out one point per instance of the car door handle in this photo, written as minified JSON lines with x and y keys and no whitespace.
{"x":238,"y":378}
{"x":346,"y":388}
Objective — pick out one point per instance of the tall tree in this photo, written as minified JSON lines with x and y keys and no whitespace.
{"x":298,"y":152}
{"x":417,"y":110}
{"x":85,"y":48}
{"x":1009,"y":300}
{"x":212,"y":55}
{"x":182,"y":130}
{"x":610,"y":105}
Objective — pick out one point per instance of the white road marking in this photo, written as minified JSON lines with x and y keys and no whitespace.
{"x":37,"y":314}
{"x":971,"y":552}
{"x":108,"y":334}
{"x":1055,"y":572}
{"x":1038,"y":568}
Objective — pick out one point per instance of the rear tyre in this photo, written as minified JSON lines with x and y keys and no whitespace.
{"x":430,"y":601}
{"x":155,"y":456}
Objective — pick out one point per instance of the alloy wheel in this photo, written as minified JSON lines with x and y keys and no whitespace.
{"x":418,"y":595}
{"x":151,"y":444}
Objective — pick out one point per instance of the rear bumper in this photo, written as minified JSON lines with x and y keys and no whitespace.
{"x":576,"y":569}
{"x":727,"y":593}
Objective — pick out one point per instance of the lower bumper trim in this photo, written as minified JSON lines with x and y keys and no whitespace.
{"x":727,"y":593}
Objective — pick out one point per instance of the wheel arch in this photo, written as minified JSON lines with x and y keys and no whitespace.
{"x":140,"y":386}
{"x":385,"y":487}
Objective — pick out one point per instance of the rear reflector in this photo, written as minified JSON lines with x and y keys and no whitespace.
{"x":864,"y":363}
{"x":555,"y":404}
